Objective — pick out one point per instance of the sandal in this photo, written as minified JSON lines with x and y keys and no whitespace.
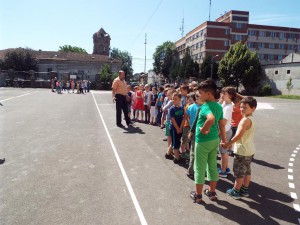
{"x":197,"y":198}
{"x":211,"y":195}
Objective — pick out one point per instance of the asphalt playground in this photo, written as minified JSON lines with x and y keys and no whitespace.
{"x":64,"y":161}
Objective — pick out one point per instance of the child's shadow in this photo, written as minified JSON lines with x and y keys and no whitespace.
{"x":266,"y":201}
{"x":2,"y":161}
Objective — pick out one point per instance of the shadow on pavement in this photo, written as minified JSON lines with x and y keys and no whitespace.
{"x":265,"y":200}
{"x":2,"y":161}
{"x":264,"y":163}
{"x":133,"y":130}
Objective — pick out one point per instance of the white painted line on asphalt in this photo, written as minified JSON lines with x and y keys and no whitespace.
{"x":295,"y":151}
{"x":292,"y":185}
{"x":17,"y":96}
{"x":290,"y":170}
{"x":293,"y":155}
{"x":294,"y":195}
{"x":292,"y":159}
{"x":290,"y":177}
{"x":129,"y":187}
{"x":298,"y":148}
{"x":291,"y":164}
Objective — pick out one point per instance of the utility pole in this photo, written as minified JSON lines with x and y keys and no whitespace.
{"x":209,"y":10}
{"x":145,"y":51}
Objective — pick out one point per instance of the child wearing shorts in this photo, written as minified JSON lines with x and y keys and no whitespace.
{"x":243,"y":149}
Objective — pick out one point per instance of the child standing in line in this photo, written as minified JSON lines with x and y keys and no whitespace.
{"x":228,"y":95}
{"x":176,"y":125}
{"x":185,"y":146}
{"x":192,"y":116}
{"x":166,"y":109}
{"x":129,"y":100}
{"x":243,"y":149}
{"x":133,"y":101}
{"x":160,"y":99}
{"x":139,"y":103}
{"x":209,"y":122}
{"x":153,"y":110}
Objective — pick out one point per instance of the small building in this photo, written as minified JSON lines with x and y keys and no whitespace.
{"x":277,"y":75}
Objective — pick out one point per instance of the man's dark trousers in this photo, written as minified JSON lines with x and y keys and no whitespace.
{"x":121,"y":104}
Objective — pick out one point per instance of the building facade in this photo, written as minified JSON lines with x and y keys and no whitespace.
{"x":214,"y":38}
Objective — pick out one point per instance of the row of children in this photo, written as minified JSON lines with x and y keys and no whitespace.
{"x":80,"y":86}
{"x":198,"y":126}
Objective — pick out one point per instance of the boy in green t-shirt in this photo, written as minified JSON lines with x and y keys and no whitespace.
{"x":210,"y":121}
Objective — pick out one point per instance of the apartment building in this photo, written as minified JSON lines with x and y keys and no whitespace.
{"x":214,"y":38}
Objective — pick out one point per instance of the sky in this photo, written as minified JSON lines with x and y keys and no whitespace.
{"x":46,"y":25}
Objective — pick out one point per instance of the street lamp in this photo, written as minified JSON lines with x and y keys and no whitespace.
{"x":212,"y":66}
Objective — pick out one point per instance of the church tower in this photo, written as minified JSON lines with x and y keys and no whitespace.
{"x":101,"y":41}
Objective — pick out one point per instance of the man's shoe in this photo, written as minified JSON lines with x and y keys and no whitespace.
{"x":167,"y":156}
{"x":121,"y":125}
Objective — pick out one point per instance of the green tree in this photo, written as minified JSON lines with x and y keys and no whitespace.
{"x":289,"y":85}
{"x":164,"y":57}
{"x":188,"y":67}
{"x":239,"y":65}
{"x":19,"y":59}
{"x":206,"y":67}
{"x":106,"y":77}
{"x":126,"y":59}
{"x":69,"y":48}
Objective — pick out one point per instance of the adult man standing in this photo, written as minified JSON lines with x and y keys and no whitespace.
{"x":119,"y":92}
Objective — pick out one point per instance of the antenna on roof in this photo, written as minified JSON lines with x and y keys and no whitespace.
{"x":209,"y":10}
{"x":182,"y":26}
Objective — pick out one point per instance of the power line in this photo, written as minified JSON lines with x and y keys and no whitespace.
{"x":146,"y":24}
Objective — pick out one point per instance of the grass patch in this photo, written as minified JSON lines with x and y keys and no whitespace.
{"x":296,"y":97}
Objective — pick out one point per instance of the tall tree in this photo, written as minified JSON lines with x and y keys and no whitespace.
{"x":69,"y":48}
{"x":207,"y":67}
{"x":19,"y":59}
{"x":239,"y":65}
{"x":188,"y":67}
{"x":126,"y":59}
{"x":163,"y":56}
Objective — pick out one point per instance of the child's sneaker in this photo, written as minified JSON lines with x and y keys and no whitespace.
{"x":244,"y":192}
{"x":176,"y":161}
{"x":185,"y":155}
{"x":227,"y":170}
{"x":222,"y":174}
{"x":167,"y":156}
{"x":233,"y":193}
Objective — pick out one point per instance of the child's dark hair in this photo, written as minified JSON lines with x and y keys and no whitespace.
{"x":176,"y":94}
{"x":185,"y":88}
{"x":161,"y":88}
{"x":231,"y":91}
{"x":192,"y":95}
{"x":154,"y":88}
{"x":208,"y":86}
{"x":250,"y":101}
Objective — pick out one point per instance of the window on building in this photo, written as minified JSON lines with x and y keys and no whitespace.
{"x":49,"y":69}
{"x":238,"y":25}
{"x":280,"y":57}
{"x":226,"y":43}
{"x":272,"y":34}
{"x":271,"y":45}
{"x":261,"y":45}
{"x":251,"y":32}
{"x":250,"y":44}
{"x":281,"y":46}
{"x":292,"y":35}
{"x":262,"y":33}
{"x":288,"y":72}
{"x":276,"y":72}
{"x":290,"y":47}
{"x":238,"y":37}
{"x":281,"y":35}
{"x":227,"y":31}
{"x":270,"y":56}
{"x":261,"y":56}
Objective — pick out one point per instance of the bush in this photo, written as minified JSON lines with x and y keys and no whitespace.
{"x":265,"y":90}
